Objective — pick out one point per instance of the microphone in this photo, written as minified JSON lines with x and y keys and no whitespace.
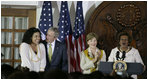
{"x":117,"y":55}
{"x":123,"y":55}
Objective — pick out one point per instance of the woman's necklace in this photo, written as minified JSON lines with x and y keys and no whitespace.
{"x":128,"y":48}
{"x":123,"y":53}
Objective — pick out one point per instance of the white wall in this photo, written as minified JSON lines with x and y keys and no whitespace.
{"x":88,"y":8}
{"x":28,"y":3}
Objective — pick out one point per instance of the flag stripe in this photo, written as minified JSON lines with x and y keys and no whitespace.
{"x":78,"y":34}
{"x":66,"y":34}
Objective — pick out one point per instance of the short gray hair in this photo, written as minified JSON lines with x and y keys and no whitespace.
{"x":55,"y":30}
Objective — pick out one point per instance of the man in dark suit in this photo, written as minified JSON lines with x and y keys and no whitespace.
{"x":56,"y":52}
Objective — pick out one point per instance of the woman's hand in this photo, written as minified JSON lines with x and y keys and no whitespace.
{"x":96,"y":58}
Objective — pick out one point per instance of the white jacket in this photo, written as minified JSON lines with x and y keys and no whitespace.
{"x":131,"y":56}
{"x":35,"y":62}
{"x":86,"y":64}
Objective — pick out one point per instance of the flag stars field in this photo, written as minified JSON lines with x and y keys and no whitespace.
{"x":75,"y":40}
{"x":46,"y":20}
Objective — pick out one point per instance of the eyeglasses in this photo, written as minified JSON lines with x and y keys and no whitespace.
{"x":124,"y":39}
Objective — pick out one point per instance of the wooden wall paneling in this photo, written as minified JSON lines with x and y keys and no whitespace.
{"x":112,"y":17}
{"x":32,"y":18}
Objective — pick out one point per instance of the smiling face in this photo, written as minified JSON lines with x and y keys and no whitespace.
{"x":124,"y":41}
{"x":50,"y":37}
{"x":36,"y":38}
{"x":92,"y":42}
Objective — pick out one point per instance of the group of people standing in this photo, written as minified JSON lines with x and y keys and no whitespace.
{"x":38,"y":55}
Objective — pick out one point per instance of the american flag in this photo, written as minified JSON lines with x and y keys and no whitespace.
{"x":46,"y":20}
{"x":66,"y":31}
{"x":78,"y":35}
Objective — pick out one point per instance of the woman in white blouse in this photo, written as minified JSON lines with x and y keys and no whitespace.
{"x":91,"y":57}
{"x":131,"y":54}
{"x":32,"y":52}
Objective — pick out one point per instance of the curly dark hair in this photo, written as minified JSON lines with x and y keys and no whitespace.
{"x":126,"y":34}
{"x":27,"y":38}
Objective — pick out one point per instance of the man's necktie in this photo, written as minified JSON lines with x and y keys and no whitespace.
{"x":50,"y":52}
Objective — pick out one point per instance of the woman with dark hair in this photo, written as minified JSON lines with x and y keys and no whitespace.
{"x":124,"y":51}
{"x":32,"y":52}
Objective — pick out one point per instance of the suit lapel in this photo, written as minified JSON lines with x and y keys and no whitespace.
{"x":45,"y":43}
{"x":55,"y":50}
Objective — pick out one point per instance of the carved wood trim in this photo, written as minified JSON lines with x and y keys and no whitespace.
{"x":105,"y":22}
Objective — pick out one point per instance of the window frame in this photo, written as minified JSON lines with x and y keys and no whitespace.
{"x":7,"y":12}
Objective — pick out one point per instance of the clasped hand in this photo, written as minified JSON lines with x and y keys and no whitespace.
{"x":96,"y":58}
